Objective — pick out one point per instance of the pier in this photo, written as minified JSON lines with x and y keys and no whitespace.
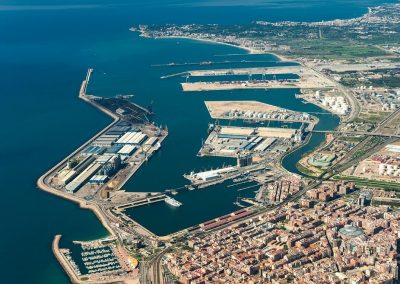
{"x":254,"y":111}
{"x":174,"y":75}
{"x":127,"y":116}
{"x":63,"y":261}
{"x":172,"y":64}
{"x":253,"y":84}
{"x":141,"y":202}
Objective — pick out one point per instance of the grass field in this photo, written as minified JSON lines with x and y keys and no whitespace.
{"x":393,"y":204}
{"x":371,"y":116}
{"x":388,"y":186}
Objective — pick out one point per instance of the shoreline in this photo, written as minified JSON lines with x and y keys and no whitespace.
{"x":83,"y":204}
{"x":211,"y":41}
{"x":92,"y":206}
{"x":41,"y":182}
{"x":61,"y":259}
{"x":70,"y":271}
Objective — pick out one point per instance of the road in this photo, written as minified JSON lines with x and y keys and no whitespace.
{"x":151,"y":270}
{"x":355,"y":107}
{"x":347,"y":162}
{"x":389,"y":119}
{"x":157,"y":269}
{"x":358,"y":133}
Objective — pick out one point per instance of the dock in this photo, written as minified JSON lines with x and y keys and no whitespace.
{"x":141,"y":202}
{"x":174,"y":75}
{"x":175,"y":64}
{"x":87,"y":160}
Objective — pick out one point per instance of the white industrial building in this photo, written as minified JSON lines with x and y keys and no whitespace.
{"x":213,"y":174}
{"x":337,"y":104}
{"x":389,"y":170}
{"x":127,"y":150}
{"x":393,"y":148}
{"x":132,"y":138}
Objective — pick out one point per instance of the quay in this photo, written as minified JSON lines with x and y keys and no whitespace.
{"x":210,"y":63}
{"x":253,"y":84}
{"x":141,"y":202}
{"x":63,"y":261}
{"x":174,"y":75}
{"x":308,"y":79}
{"x":280,"y":70}
{"x":89,"y":174}
{"x":255,"y":111}
{"x":42,"y":182}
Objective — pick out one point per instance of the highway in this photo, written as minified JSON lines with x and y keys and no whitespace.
{"x":151,"y":270}
{"x":358,"y":133}
{"x":355,"y":107}
{"x":389,"y":119}
{"x":394,"y":115}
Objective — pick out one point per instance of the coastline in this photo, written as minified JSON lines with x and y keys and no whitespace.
{"x":44,"y":183}
{"x":61,"y":259}
{"x":248,"y":49}
{"x":103,"y":216}
{"x":69,"y":270}
{"x":92,"y":206}
{"x":41,"y":182}
{"x":52,"y":65}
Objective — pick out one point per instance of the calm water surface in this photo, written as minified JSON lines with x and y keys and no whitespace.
{"x":45,"y":50}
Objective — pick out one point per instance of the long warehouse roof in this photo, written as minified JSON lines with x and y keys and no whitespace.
{"x":83,"y":177}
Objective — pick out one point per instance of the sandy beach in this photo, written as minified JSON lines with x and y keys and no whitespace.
{"x":248,"y":49}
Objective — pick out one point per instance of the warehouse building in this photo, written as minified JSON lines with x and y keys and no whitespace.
{"x":235,"y":133}
{"x":285,"y":133}
{"x":94,"y":150}
{"x":83,"y":177}
{"x":151,"y":141}
{"x":105,"y":141}
{"x":132,"y":138}
{"x":393,"y":148}
{"x":67,"y":175}
{"x":98,"y":179}
{"x":113,"y":150}
{"x":127,"y":150}
{"x":111,"y":166}
{"x":118,"y":130}
{"x":265,"y":145}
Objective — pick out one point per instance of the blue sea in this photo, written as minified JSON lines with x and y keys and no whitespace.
{"x":46,"y":48}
